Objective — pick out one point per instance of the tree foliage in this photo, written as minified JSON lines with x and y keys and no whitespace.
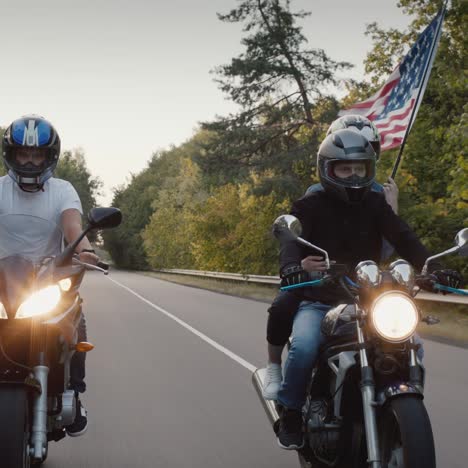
{"x":72,"y":167}
{"x":209,"y":203}
{"x":433,"y":178}
{"x":278,"y":84}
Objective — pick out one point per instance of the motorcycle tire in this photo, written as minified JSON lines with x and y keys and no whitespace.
{"x":406,"y":439}
{"x":14,"y":427}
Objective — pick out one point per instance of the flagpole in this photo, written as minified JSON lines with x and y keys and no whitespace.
{"x":421,"y":89}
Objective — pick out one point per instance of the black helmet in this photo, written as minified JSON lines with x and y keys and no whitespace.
{"x":359,"y":124}
{"x":34,"y":133}
{"x":345,"y":146}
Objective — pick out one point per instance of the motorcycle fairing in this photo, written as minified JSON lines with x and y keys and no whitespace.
{"x":16,"y":281}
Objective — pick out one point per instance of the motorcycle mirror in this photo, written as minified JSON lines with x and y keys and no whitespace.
{"x":98,"y":218}
{"x":461,"y":246}
{"x":287,"y":227}
{"x":104,"y":218}
{"x":461,"y":241}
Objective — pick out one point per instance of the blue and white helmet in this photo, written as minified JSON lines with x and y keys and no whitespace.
{"x":34,"y":133}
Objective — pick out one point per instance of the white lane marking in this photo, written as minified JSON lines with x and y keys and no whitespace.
{"x":201,"y":335}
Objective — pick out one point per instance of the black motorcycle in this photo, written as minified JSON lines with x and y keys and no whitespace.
{"x":40,"y":310}
{"x":365,"y":403}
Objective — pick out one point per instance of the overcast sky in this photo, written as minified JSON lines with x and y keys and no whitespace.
{"x":122,"y":79}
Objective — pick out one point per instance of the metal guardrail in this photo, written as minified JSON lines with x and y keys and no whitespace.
{"x":274,"y":280}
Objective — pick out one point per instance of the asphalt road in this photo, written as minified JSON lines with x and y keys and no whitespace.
{"x":169,"y":383}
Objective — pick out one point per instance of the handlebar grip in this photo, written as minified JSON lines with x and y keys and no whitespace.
{"x":426,"y":283}
{"x":337,"y":269}
{"x":103,"y":265}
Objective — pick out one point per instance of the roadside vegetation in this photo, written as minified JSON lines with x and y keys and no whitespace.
{"x":209,"y":203}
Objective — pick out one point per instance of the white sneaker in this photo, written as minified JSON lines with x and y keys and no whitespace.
{"x":273,"y":380}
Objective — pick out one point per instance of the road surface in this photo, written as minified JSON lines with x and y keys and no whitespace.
{"x":169,"y":383}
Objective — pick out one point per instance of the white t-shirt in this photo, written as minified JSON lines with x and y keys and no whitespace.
{"x":30,"y":235}
{"x":58,"y":195}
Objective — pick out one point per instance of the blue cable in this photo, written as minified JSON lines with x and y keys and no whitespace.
{"x":301,"y":285}
{"x":351,"y":282}
{"x":441,"y":287}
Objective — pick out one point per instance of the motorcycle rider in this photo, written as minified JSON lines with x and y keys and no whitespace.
{"x":366,"y":128}
{"x":348,"y":220}
{"x":30,"y":151}
{"x":286,"y":303}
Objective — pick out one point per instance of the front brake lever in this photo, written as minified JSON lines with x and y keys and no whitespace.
{"x":89,"y":266}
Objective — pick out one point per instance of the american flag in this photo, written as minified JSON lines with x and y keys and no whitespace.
{"x":391,"y":108}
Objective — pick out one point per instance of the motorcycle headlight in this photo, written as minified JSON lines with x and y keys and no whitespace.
{"x":40,"y":302}
{"x":394,"y":317}
{"x":3,"y":314}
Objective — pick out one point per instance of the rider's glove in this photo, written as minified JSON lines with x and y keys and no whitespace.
{"x":450,"y":278}
{"x":294,"y":275}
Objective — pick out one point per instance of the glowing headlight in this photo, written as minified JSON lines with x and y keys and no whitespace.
{"x":394,"y":316}
{"x":3,"y":314}
{"x":41,"y":302}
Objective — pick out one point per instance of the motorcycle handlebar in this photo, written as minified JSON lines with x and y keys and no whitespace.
{"x":336,"y":270}
{"x":101,"y":266}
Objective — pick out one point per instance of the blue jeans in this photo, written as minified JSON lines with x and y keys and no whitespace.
{"x":305,"y":343}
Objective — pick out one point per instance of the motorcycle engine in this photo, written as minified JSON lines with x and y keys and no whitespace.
{"x":323,"y":431}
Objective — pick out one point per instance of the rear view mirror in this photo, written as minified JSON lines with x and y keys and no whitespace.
{"x":104,"y":218}
{"x":287,"y":227}
{"x":461,"y":247}
{"x":461,"y":241}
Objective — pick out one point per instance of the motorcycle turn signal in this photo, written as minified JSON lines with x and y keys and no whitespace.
{"x":84,"y":347}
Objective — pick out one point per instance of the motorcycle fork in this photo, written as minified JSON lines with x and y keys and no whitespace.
{"x":368,"y":404}
{"x":39,"y":414}
{"x":415,"y":373}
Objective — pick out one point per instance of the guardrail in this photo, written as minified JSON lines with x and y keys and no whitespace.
{"x":274,"y":280}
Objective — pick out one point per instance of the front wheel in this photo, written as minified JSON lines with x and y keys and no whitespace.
{"x":406,"y":439}
{"x":14,"y":427}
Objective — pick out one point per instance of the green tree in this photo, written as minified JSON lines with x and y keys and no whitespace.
{"x":72,"y":167}
{"x":125,"y":243}
{"x":278,"y":84}
{"x":168,"y":236}
{"x":433,"y":178}
{"x":231,"y":231}
{"x":138,"y":200}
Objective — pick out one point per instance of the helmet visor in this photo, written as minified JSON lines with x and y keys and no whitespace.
{"x":29,"y":160}
{"x":352,"y":173}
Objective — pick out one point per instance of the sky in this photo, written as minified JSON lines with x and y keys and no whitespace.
{"x":123,"y":79}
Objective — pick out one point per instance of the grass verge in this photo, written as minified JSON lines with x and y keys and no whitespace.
{"x":452,"y":329}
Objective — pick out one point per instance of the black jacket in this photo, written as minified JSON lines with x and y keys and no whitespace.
{"x":350,"y":234}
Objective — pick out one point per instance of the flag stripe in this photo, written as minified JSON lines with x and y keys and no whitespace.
{"x":393,"y":105}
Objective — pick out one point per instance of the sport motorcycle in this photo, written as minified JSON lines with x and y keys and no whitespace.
{"x":40,"y":312}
